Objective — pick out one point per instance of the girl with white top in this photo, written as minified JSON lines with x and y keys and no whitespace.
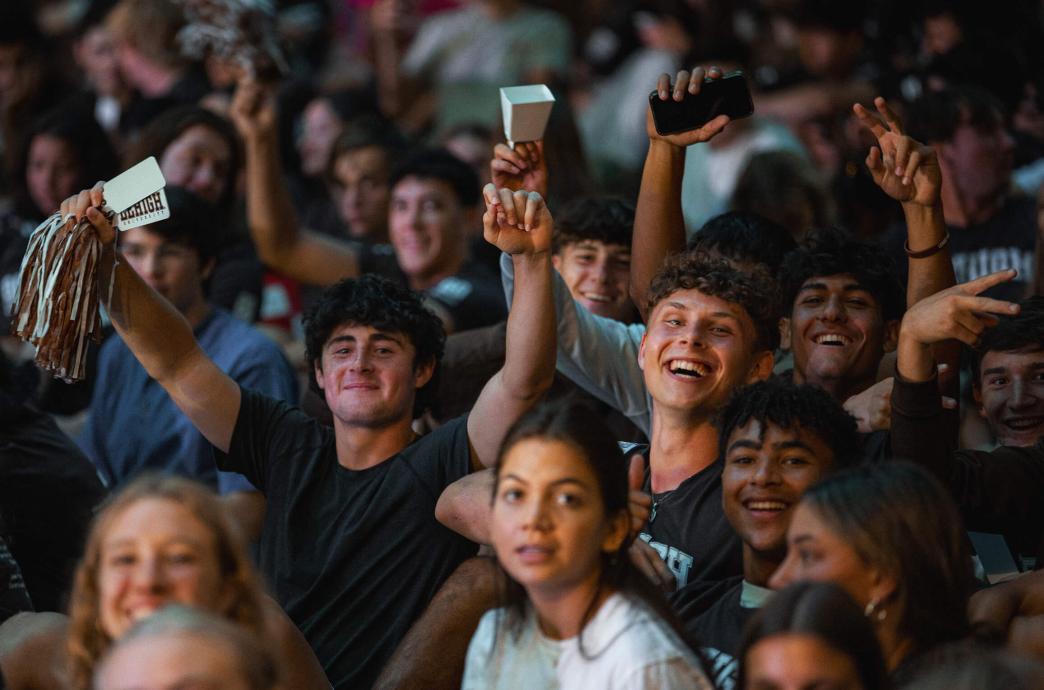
{"x":576,"y":613}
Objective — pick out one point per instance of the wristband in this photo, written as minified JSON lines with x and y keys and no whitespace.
{"x":930,"y":251}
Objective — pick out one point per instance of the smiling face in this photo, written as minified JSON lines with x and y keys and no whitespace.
{"x":697,"y":350}
{"x":362,"y":192}
{"x":795,"y":661}
{"x":549,"y":526}
{"x":767,"y":469}
{"x":368,"y":376}
{"x":816,"y":553}
{"x":155,"y":552}
{"x":426,"y":226}
{"x":837,"y":333}
{"x":598,"y":276}
{"x":198,"y":160}
{"x":172,"y":662}
{"x":1010,"y":393}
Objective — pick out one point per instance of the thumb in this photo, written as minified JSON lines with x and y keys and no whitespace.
{"x":636,"y":472}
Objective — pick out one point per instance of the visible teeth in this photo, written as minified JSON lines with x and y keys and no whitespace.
{"x":1026,"y":423}
{"x":766,"y":505}
{"x":594,"y":297}
{"x":831,"y":339}
{"x":688,"y":368}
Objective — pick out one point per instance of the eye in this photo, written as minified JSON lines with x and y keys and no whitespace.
{"x":384,"y":350}
{"x":511,"y":495}
{"x":673,"y":322}
{"x":858,"y":302}
{"x":812,"y":300}
{"x":998,"y":381}
{"x":569,"y":499}
{"x":181,"y":557}
{"x":795,"y":461}
{"x":122,"y":559}
{"x":584,"y":258}
{"x":720,"y":330}
{"x":807,"y":556}
{"x":741,"y":460}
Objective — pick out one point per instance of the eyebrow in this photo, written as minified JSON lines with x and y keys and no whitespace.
{"x":849,"y":287}
{"x":557,"y":482}
{"x":744,"y":443}
{"x":130,"y":541}
{"x":803,"y":538}
{"x":717,"y":314}
{"x":793,"y":443}
{"x":375,"y":338}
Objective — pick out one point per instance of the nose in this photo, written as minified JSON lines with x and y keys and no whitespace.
{"x":834,"y":309}
{"x":148,"y":573}
{"x":1021,"y":395}
{"x":785,"y":573}
{"x":765,"y":474}
{"x":601,"y":271}
{"x":538,"y":516}
{"x":151,"y":266}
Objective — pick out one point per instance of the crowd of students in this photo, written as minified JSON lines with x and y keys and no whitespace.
{"x":389,"y":403}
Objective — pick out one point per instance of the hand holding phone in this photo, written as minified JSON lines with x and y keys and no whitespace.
{"x":684,"y":111}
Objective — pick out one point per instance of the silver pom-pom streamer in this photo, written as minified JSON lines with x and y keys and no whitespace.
{"x":240,"y":31}
{"x":57,"y":309}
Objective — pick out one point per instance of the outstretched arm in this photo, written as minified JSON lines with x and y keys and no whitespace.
{"x":659,"y":227}
{"x":519,"y":224}
{"x":299,"y":254}
{"x":159,"y":336}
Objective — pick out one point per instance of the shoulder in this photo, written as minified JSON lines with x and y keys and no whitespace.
{"x":635,"y":634}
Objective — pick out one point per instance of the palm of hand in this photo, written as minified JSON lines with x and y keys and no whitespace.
{"x":693,"y":136}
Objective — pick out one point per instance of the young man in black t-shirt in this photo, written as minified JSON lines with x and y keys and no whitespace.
{"x":777,"y":439}
{"x":350,"y":545}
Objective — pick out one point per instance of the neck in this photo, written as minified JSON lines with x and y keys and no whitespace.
{"x":961,"y":208}
{"x":679,"y":447}
{"x":758,"y":566}
{"x":560,"y":611}
{"x":419,"y":281}
{"x":498,"y":9}
{"x":363,"y":447}
{"x":894,"y":647}
{"x":840,"y":389}
{"x":197,"y":312}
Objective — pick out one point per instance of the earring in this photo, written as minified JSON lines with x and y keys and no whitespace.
{"x":873,"y":612}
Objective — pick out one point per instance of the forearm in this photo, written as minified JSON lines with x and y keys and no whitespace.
{"x":529,"y":364}
{"x":659,"y":227}
{"x":158,"y":335}
{"x":465,"y":506}
{"x":921,"y":430}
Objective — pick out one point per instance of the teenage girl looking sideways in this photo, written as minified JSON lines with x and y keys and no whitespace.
{"x":575,"y":612}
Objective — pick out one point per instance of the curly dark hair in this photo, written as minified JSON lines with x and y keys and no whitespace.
{"x":440,"y":164}
{"x":1025,"y":329}
{"x":788,"y":405}
{"x":753,"y":290}
{"x":744,"y":237}
{"x":380,"y":303}
{"x":607,"y":219}
{"x":833,"y":251}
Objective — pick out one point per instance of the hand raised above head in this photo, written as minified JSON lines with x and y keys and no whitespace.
{"x":253,"y":109}
{"x":685,"y":83}
{"x":523,"y":167}
{"x":86,"y":204}
{"x":516,"y":222}
{"x":904,"y":168}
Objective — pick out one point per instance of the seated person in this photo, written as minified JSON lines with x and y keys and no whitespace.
{"x":777,"y":439}
{"x":182,"y":647}
{"x":889,"y":534}
{"x":134,"y":425}
{"x":997,"y":491}
{"x":350,"y":544}
{"x":575,"y":611}
{"x":433,"y":198}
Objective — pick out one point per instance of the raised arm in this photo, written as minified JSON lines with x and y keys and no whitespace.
{"x":659,"y":227}
{"x":299,"y":254}
{"x":159,"y":336}
{"x":519,"y":224}
{"x":957,"y":313}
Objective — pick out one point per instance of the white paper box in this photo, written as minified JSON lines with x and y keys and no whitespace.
{"x":526,"y":110}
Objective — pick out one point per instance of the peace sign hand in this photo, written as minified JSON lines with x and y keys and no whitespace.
{"x":904,"y":168}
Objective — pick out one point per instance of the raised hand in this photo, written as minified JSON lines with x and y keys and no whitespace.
{"x":523,"y":167}
{"x":957,"y":313}
{"x":691,"y":83}
{"x":904,"y":168}
{"x":252,"y":110}
{"x":87,"y":204}
{"x":516,"y":222}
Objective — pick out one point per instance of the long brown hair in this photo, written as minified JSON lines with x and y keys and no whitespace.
{"x":87,"y":640}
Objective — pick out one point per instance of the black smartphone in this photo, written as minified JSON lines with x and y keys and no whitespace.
{"x":728,"y":95}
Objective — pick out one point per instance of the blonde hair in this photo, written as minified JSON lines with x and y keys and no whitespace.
{"x":87,"y":640}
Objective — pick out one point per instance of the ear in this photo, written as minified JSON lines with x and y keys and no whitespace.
{"x":423,"y":373}
{"x":556,"y":261}
{"x":317,"y":368}
{"x":641,"y":352}
{"x":762,"y":369}
{"x":784,"y":333}
{"x":891,"y":335}
{"x":977,"y":395}
{"x":619,"y":526}
{"x":883,"y":587}
{"x":207,"y":268}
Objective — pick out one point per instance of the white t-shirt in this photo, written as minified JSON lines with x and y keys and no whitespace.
{"x":625,"y":646}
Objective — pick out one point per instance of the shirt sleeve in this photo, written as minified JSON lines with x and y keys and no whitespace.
{"x":598,"y":354}
{"x":480,"y":652}
{"x":668,"y":674}
{"x":442,"y":457}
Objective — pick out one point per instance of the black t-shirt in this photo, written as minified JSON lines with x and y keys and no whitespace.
{"x":1007,"y":240}
{"x":353,"y":557}
{"x":719,"y":631}
{"x":48,"y":493}
{"x":687,"y":527}
{"x":471,"y":298}
{"x":14,"y":598}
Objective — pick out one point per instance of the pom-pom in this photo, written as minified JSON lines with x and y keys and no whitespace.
{"x":57,"y":307}
{"x":240,"y":31}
